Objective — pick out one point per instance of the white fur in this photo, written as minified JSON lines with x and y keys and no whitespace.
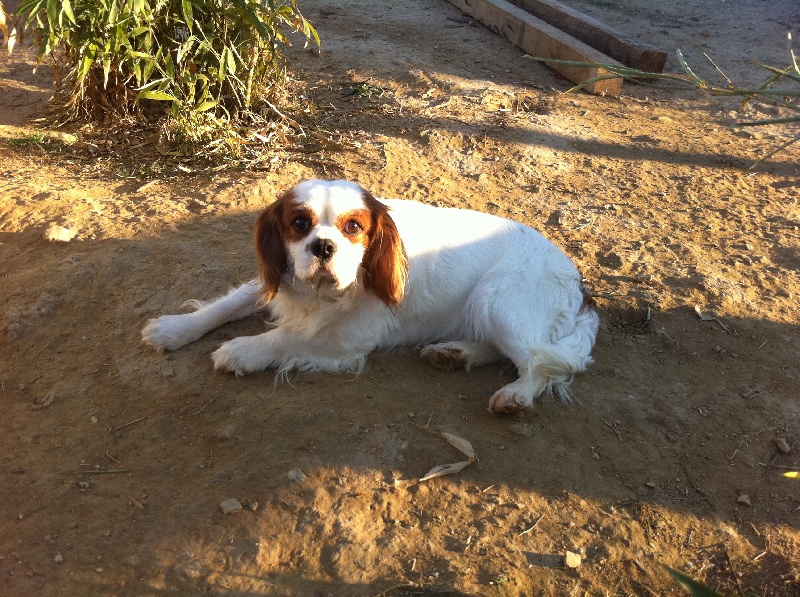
{"x":481,"y":286}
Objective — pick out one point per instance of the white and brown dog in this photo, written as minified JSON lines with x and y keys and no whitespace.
{"x":343,"y":274}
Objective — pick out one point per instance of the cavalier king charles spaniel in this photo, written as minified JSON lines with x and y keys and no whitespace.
{"x":343,"y":274}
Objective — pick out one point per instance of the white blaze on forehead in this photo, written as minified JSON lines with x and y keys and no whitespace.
{"x":329,"y":199}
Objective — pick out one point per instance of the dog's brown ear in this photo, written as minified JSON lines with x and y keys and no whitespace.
{"x":385,"y":262}
{"x":270,"y":249}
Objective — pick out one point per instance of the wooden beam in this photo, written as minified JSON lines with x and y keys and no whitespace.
{"x":537,"y":38}
{"x":600,"y":36}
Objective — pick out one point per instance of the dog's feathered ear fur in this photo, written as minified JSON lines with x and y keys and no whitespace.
{"x":270,"y":249}
{"x":385,"y":261}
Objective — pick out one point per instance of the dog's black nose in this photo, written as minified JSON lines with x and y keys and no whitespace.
{"x":323,"y":248}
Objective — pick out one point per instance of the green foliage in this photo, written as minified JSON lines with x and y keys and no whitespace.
{"x":114,"y":57}
{"x":692,"y":587}
{"x":39,"y":140}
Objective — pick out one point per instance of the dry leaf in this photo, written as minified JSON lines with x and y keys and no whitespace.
{"x":461,"y":445}
{"x":704,"y":317}
{"x":446,"y":469}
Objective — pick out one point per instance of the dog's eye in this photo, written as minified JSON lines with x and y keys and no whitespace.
{"x":352,"y":227}
{"x":301,"y":224}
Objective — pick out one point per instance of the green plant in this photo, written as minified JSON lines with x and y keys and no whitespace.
{"x":691,"y":586}
{"x":113,"y":57}
{"x":48,"y":143}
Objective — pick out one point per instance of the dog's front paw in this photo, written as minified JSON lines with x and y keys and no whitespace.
{"x":509,"y":399}
{"x":170,"y":332}
{"x":241,"y":356}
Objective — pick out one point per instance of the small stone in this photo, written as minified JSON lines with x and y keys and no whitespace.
{"x":572,"y":559}
{"x":744,"y":499}
{"x":782,"y":445}
{"x":296,"y":475}
{"x":595,"y":455}
{"x":230,"y":505}
{"x":651,"y":484}
{"x":59,"y":233}
{"x":58,"y":559}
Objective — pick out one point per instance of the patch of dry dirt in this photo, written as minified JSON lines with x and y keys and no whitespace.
{"x":114,"y":459}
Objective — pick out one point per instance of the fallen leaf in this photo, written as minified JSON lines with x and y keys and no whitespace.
{"x":461,"y":445}
{"x":446,"y":469}
{"x":704,"y":317}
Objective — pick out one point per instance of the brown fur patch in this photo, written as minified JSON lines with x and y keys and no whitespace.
{"x":385,"y":261}
{"x":269,"y":241}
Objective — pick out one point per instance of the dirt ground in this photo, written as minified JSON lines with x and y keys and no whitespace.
{"x":114,"y":459}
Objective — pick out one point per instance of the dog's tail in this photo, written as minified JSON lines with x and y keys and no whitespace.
{"x":556,"y":364}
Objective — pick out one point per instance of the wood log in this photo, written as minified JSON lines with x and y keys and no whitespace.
{"x":539,"y":39}
{"x":630,"y":52}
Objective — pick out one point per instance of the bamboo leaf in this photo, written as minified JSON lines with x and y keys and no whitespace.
{"x":230,"y":60}
{"x":156,"y":95}
{"x":188,"y":15}
{"x":694,"y":588}
{"x":66,"y":8}
{"x":87,"y":61}
{"x":223,"y":64}
{"x":774,"y":151}
{"x":446,"y":469}
{"x":113,"y":14}
{"x":53,"y":12}
{"x":791,"y":54}
{"x":460,"y":444}
{"x":206,"y":105}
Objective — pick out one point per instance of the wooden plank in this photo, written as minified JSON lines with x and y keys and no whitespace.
{"x":599,"y":35}
{"x":537,"y":38}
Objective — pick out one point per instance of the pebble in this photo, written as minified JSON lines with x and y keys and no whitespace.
{"x":296,"y":475}
{"x":744,"y":499}
{"x":572,"y":559}
{"x":59,"y":233}
{"x":782,"y":445}
{"x":230,"y":505}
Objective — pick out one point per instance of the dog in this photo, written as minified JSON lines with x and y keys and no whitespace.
{"x":343,"y":273}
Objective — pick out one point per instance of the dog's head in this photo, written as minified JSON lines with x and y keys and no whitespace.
{"x":330,"y":236}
